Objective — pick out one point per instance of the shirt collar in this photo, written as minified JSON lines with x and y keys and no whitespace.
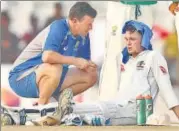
{"x":141,"y":53}
{"x":79,"y":38}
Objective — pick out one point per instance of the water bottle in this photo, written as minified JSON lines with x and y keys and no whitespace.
{"x":141,"y":116}
{"x":149,"y":105}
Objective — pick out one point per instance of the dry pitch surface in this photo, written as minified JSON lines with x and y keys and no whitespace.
{"x":90,"y":128}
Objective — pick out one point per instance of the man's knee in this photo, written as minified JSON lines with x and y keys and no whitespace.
{"x":92,"y":78}
{"x":53,"y":71}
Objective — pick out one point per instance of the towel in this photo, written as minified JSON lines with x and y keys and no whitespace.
{"x":146,"y":37}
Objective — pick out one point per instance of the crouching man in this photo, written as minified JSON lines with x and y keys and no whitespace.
{"x":42,"y":70}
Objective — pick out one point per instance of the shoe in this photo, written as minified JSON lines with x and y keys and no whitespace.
{"x":6,"y":119}
{"x":64,"y":108}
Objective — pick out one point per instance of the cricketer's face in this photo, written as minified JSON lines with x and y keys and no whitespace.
{"x":133,"y":42}
{"x":84,"y":25}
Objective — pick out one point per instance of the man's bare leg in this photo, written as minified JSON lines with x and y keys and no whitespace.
{"x":79,"y":80}
{"x":75,"y":81}
{"x":48,"y":78}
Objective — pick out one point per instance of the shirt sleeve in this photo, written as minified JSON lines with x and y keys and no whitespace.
{"x":85,"y":50}
{"x":161,"y":74}
{"x":55,"y":36}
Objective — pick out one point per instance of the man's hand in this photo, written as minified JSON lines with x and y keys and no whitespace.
{"x":174,"y":7}
{"x":91,"y":68}
{"x":92,"y":64}
{"x":82,"y":63}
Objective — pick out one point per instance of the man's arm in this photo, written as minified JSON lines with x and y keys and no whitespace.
{"x":161,"y":74}
{"x":53,"y":57}
{"x":52,"y":46}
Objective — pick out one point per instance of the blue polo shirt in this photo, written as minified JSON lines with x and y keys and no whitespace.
{"x":56,"y":37}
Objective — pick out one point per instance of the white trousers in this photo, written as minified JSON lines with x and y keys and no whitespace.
{"x":119,"y":115}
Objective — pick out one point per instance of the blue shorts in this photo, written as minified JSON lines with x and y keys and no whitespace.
{"x":27,"y":86}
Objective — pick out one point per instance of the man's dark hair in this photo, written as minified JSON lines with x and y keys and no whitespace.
{"x":57,"y":6}
{"x":6,"y":15}
{"x":132,"y":29}
{"x":80,"y":9}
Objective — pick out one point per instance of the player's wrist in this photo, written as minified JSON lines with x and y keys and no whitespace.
{"x":74,"y":61}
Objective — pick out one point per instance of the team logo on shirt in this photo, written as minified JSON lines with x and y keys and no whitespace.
{"x":164,"y":71}
{"x":140,"y":65}
{"x":77,"y":45}
{"x":114,"y":29}
{"x":65,"y":48}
